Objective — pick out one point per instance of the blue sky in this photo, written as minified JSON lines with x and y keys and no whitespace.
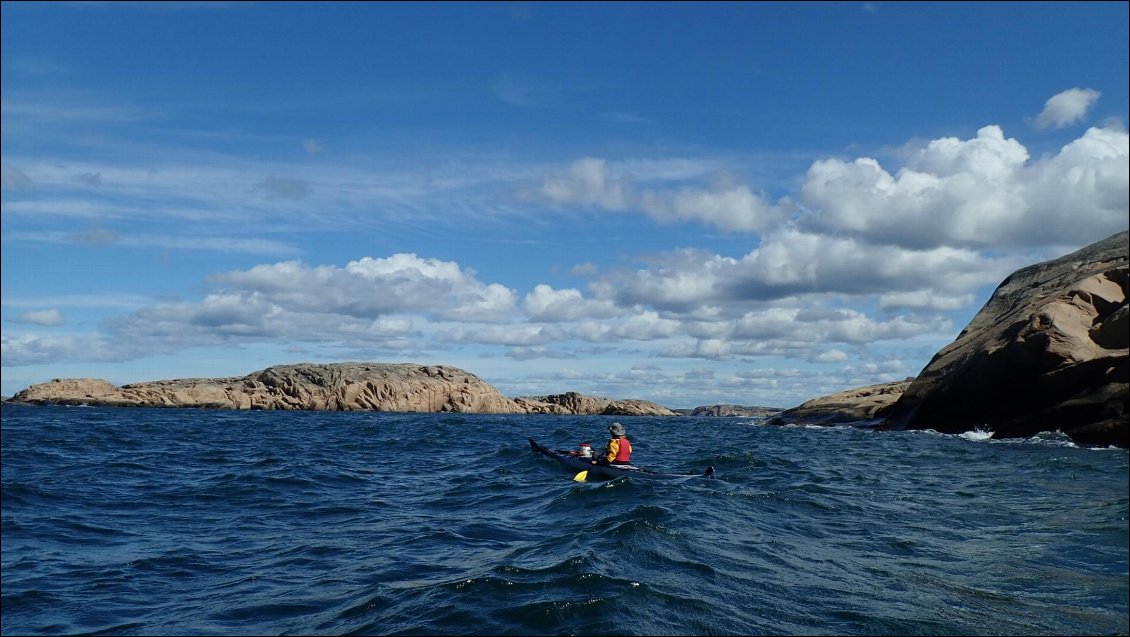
{"x":689,"y":203}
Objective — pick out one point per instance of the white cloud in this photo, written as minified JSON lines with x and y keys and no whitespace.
{"x":834,"y":326}
{"x":589,"y":183}
{"x":734,"y":208}
{"x":924,"y":300}
{"x":828,"y":356}
{"x":791,"y":263}
{"x":974,"y":193}
{"x":512,"y":335}
{"x":548,"y":304}
{"x":644,"y":326}
{"x":1066,"y":108}
{"x":978,"y":192}
{"x":726,"y":205}
{"x":49,"y":317}
{"x":368,"y":287}
{"x":682,"y":280}
{"x":31,"y":349}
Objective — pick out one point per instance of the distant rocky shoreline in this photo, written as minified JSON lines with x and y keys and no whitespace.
{"x":397,"y":387}
{"x":1047,"y":352}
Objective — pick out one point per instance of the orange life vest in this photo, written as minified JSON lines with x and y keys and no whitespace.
{"x":624,"y":454}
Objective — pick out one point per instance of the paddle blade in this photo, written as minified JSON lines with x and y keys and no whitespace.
{"x":581,"y":477}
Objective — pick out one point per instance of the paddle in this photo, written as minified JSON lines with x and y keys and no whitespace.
{"x":582,"y":476}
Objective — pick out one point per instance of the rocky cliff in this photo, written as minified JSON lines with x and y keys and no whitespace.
{"x":1048,"y":351}
{"x":331,"y":387}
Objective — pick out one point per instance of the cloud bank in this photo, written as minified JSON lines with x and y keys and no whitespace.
{"x":859,"y":270}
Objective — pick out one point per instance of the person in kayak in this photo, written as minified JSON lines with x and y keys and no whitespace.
{"x":619,"y":449}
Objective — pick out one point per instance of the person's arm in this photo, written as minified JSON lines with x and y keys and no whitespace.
{"x":613,"y":449}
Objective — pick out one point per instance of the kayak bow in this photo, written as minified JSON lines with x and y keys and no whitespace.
{"x":574,"y":460}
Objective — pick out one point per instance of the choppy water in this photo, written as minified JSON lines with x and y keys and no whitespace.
{"x":147,"y":521}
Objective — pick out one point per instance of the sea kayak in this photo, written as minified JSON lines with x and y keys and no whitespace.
{"x":573,"y":459}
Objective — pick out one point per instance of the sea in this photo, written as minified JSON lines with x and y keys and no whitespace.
{"x":138,"y":521}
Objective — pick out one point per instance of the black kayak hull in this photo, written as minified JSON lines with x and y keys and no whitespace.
{"x":574,"y":461}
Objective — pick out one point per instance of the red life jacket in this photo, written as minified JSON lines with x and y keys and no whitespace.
{"x":624,"y":455}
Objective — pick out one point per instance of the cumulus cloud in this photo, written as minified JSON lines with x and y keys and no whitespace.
{"x":794,"y":332}
{"x":589,"y":183}
{"x":370,"y":304}
{"x":828,"y":356}
{"x":368,"y":288}
{"x":32,"y":349}
{"x":1066,"y":108}
{"x":548,"y":304}
{"x":986,"y":191}
{"x":976,"y":193}
{"x":723,"y":204}
{"x":512,"y":335}
{"x":735,"y":208}
{"x":643,"y":326}
{"x":924,"y":300}
{"x":791,"y":263}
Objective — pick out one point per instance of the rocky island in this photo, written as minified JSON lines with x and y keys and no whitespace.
{"x":401,"y":387}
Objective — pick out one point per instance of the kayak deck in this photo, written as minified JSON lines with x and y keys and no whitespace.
{"x":574,"y":460}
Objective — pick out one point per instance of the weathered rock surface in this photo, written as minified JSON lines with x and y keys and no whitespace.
{"x":1047,"y":352}
{"x":330,"y":387}
{"x":861,"y":406}
{"x":730,"y":410}
{"x":334,"y":387}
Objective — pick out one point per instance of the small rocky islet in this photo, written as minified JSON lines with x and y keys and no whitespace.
{"x":1047,"y":352}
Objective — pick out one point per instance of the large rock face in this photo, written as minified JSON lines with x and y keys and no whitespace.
{"x":1047,"y":352}
{"x":331,"y":387}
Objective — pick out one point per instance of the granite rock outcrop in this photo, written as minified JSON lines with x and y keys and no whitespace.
{"x":332,"y":387}
{"x":861,"y":406}
{"x":1047,"y":352}
{"x":398,"y":387}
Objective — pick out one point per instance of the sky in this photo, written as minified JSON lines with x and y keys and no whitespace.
{"x":688,"y":203}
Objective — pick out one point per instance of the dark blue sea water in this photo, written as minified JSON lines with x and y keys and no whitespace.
{"x":160,"y":522}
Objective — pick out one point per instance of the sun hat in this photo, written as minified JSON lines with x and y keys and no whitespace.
{"x":616,"y":429}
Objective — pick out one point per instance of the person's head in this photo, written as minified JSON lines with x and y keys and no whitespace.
{"x":616,"y":429}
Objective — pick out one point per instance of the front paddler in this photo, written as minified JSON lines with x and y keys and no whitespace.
{"x":619,"y":449}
